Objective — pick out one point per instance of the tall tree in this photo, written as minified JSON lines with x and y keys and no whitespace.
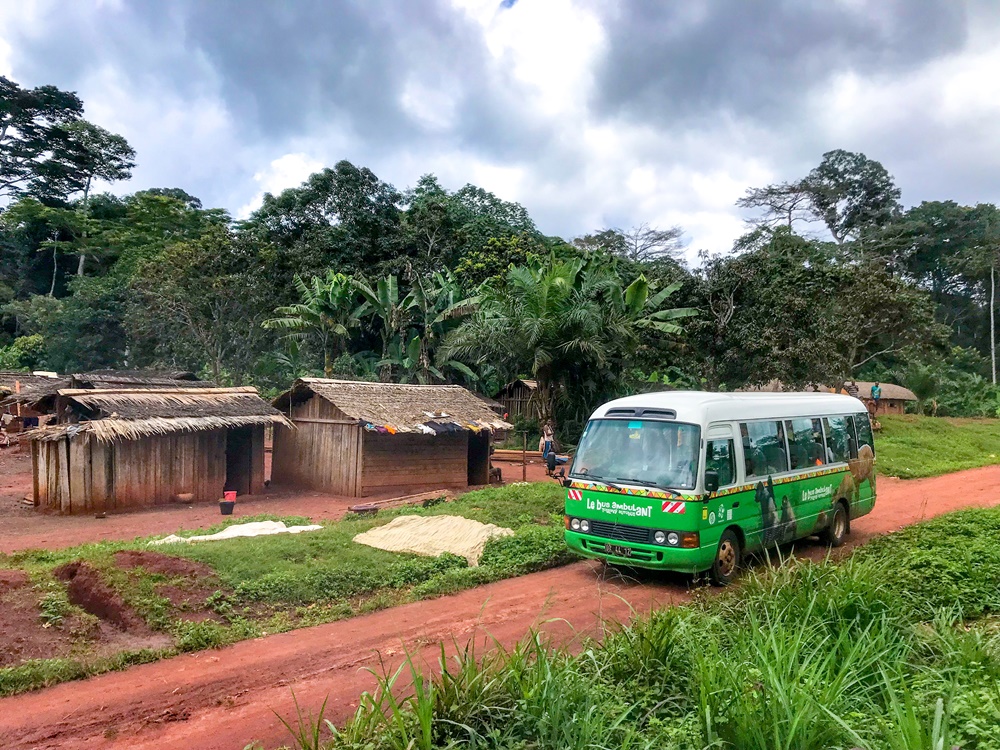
{"x":851,"y":194}
{"x":32,"y":142}
{"x":641,"y":244}
{"x":89,"y":153}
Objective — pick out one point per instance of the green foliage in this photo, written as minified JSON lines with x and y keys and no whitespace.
{"x":25,"y":353}
{"x":911,"y":446}
{"x":801,"y":655}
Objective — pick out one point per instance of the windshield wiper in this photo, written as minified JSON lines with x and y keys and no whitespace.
{"x":598,"y":477}
{"x":647,"y":483}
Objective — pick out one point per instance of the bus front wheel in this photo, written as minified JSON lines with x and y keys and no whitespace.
{"x":836,"y":533}
{"x":727,"y":559}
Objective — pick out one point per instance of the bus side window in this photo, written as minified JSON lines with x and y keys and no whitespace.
{"x":805,"y":443}
{"x":852,"y":439}
{"x":864,"y":426}
{"x":748,"y":462}
{"x":764,"y":448}
{"x":839,"y":442}
{"x":719,"y":458}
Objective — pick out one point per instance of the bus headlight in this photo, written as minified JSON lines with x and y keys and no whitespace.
{"x":659,"y":537}
{"x":584,"y":525}
{"x":673,"y":539}
{"x":575,"y":524}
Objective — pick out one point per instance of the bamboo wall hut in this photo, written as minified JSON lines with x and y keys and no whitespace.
{"x":519,"y":400}
{"x":360,"y":439}
{"x":120,"y":449}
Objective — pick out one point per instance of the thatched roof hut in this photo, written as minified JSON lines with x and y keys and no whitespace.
{"x":40,"y":395}
{"x":357,"y":438}
{"x":519,"y":399}
{"x":125,"y":448}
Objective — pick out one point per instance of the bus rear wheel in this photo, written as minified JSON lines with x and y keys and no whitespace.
{"x":727,"y":559}
{"x":836,"y":533}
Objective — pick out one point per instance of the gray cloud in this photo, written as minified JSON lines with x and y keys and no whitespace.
{"x":755,"y":57}
{"x":702,"y":94}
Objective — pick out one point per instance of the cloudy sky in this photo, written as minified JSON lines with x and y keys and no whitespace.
{"x":590,"y":113}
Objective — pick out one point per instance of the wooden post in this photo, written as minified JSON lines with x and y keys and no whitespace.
{"x":524,"y":457}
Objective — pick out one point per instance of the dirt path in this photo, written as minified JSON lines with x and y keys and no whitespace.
{"x":222,"y":700}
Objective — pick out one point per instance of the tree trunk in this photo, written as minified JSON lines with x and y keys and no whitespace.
{"x":86,"y":213}
{"x":993,"y":337}
{"x":55,"y":268}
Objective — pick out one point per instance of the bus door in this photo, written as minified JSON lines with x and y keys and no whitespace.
{"x":725,"y":508}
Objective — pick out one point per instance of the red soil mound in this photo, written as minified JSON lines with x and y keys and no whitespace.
{"x":87,"y":591}
{"x":11,"y":580}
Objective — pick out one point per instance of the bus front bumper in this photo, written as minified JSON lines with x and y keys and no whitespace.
{"x":653,"y":556}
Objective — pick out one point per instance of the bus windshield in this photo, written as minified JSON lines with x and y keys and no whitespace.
{"x":646,"y":452}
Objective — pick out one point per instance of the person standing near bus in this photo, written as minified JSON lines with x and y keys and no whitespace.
{"x":876,"y":394}
{"x":548,"y":435}
{"x":852,"y":389}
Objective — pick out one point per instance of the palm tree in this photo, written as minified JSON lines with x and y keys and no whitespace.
{"x":327,"y":312}
{"x":554,"y":316}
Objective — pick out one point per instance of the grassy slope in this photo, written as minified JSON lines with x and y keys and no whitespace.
{"x":280,"y":582}
{"x":810,"y":656}
{"x":910,"y":446}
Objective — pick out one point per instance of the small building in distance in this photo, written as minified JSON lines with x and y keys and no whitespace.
{"x":893,"y":400}
{"x":357,"y":439}
{"x":15,"y":414}
{"x":518,"y":399}
{"x":115,"y":450}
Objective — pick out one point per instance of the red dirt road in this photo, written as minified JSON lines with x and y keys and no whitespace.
{"x":224,"y":699}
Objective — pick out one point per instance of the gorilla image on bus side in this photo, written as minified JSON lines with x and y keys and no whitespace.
{"x":775,"y":528}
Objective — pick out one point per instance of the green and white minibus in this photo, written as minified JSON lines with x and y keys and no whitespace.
{"x":692,"y":481}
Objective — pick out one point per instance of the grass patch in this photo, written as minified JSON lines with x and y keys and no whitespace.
{"x":277,"y":583}
{"x":883,"y":651}
{"x":911,"y":446}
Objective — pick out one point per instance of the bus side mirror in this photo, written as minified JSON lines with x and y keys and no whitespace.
{"x":711,"y":481}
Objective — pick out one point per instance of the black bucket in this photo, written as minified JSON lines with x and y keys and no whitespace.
{"x":226,"y":507}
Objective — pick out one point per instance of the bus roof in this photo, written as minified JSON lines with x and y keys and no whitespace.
{"x":700,"y":407}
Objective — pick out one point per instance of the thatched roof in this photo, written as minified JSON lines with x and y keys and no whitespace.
{"x":531,"y":385}
{"x":133,"y":413}
{"x":41,"y":395}
{"x":10,"y":379}
{"x":139,"y":379}
{"x":890,"y":391}
{"x":404,"y":408}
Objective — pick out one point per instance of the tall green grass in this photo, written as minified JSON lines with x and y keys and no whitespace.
{"x":911,"y":446}
{"x":878,"y":652}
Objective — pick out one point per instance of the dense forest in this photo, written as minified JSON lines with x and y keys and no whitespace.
{"x":349,"y":276}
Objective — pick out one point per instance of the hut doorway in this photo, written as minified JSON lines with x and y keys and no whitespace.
{"x":239,"y":444}
{"x":479,"y":457}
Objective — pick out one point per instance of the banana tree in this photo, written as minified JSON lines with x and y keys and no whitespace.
{"x":328,"y":310}
{"x":436,"y":305}
{"x":383,"y":302}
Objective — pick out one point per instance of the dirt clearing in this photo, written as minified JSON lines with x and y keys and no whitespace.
{"x":223,"y":699}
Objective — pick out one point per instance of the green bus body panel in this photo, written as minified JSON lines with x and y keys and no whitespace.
{"x":765,"y":513}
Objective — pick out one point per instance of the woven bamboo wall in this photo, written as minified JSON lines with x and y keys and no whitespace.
{"x":80,"y":475}
{"x":322,"y":453}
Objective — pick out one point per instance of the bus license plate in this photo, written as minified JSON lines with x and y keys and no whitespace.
{"x":617,"y":551}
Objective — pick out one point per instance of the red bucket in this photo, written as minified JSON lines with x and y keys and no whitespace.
{"x":229,"y":496}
